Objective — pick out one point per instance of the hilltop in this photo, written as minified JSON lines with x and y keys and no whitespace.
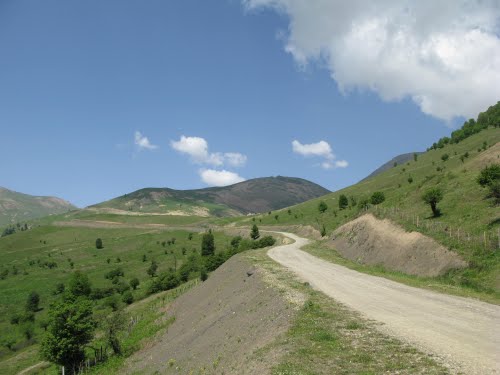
{"x":251,"y":196}
{"x":16,"y":207}
{"x":400,"y":159}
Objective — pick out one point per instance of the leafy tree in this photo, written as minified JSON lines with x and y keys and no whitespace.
{"x":254,"y":234}
{"x":323,"y":231}
{"x":98,"y":244}
{"x":28,"y":330}
{"x":276,"y":217}
{"x":490,"y":177}
{"x":113,"y":274}
{"x":113,"y":325}
{"x":415,"y":156}
{"x":32,"y":302}
{"x":190,"y":236}
{"x":410,"y":179}
{"x":235,"y":241}
{"x":134,"y":283}
{"x":79,"y":285}
{"x":207,"y":244}
{"x":432,"y":197}
{"x":127,"y":297}
{"x":445,"y":157}
{"x":489,"y":174}
{"x":343,"y":202}
{"x":71,"y":327}
{"x":377,"y":198}
{"x":152,"y":269}
{"x":322,"y":207}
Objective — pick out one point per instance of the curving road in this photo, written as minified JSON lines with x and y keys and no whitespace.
{"x":462,"y":332}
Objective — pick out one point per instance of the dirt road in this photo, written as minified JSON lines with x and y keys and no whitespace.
{"x":464,"y":333}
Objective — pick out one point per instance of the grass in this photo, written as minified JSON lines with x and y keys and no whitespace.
{"x":74,"y":249}
{"x":328,"y":338}
{"x":465,"y":206}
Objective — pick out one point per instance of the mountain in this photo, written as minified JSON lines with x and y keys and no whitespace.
{"x":251,"y":196}
{"x":398,"y":160}
{"x":16,"y":207}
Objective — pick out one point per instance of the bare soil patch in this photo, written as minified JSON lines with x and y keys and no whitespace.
{"x":369,"y":240}
{"x":220,"y":326}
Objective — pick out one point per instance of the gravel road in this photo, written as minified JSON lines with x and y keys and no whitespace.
{"x":463,"y":333}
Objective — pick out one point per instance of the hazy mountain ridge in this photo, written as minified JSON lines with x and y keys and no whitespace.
{"x":15,"y":206}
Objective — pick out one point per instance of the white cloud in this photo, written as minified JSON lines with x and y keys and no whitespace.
{"x":235,"y":159}
{"x":213,"y":177}
{"x":142,"y":142}
{"x":319,"y":149}
{"x":197,"y":149}
{"x":444,"y":55}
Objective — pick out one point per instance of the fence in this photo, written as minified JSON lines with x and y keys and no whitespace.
{"x":455,"y":235}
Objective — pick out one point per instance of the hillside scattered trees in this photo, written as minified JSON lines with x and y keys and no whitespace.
{"x":432,"y":197}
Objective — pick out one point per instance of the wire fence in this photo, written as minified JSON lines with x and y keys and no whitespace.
{"x":455,"y":235}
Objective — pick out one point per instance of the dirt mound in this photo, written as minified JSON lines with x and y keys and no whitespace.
{"x":380,"y":242}
{"x":219,"y":326}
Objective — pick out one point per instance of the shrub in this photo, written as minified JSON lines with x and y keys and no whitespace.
{"x":254,"y":234}
{"x":127,"y":297}
{"x":134,"y":283}
{"x":207,"y":244}
{"x":322,"y":207}
{"x":117,"y":272}
{"x":445,"y":157}
{"x":377,"y":198}
{"x":343,"y":202}
{"x":32,"y":302}
{"x":98,"y":244}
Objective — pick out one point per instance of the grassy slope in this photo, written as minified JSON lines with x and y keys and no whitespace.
{"x":464,"y":206}
{"x":65,"y":244}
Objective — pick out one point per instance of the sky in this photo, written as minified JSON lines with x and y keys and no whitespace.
{"x":101,"y":98}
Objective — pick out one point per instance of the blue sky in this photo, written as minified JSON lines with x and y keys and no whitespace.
{"x":79,"y":79}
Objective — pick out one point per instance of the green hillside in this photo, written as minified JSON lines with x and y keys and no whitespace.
{"x":17,"y":207}
{"x":252,"y":196}
{"x":469,"y":221}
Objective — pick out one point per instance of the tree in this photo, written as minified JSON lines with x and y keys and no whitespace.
{"x":432,"y":197}
{"x":410,"y":179}
{"x":254,"y":234}
{"x":343,"y":202}
{"x":98,"y":244}
{"x":71,"y":327}
{"x":415,"y":157}
{"x":79,"y":285}
{"x":32,"y":302}
{"x":152,"y":268}
{"x":490,"y":177}
{"x":445,"y":157}
{"x":377,"y":198}
{"x":128,"y":297}
{"x":322,"y":207}
{"x":134,"y":283}
{"x":113,"y":325}
{"x":207,"y":244}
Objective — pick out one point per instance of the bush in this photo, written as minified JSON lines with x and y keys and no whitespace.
{"x":377,"y":198}
{"x":79,"y":285}
{"x":254,"y":234}
{"x":489,"y":175}
{"x":32,"y":302}
{"x":343,"y":202}
{"x":98,"y":244}
{"x":127,"y":297}
{"x":322,"y":207}
{"x":134,"y":283}
{"x":203,"y":274}
{"x":117,"y":272}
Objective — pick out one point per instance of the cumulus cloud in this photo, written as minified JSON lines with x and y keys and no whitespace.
{"x":142,"y":142}
{"x":197,"y":149}
{"x":319,"y":149}
{"x":214,"y":177}
{"x":444,"y":55}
